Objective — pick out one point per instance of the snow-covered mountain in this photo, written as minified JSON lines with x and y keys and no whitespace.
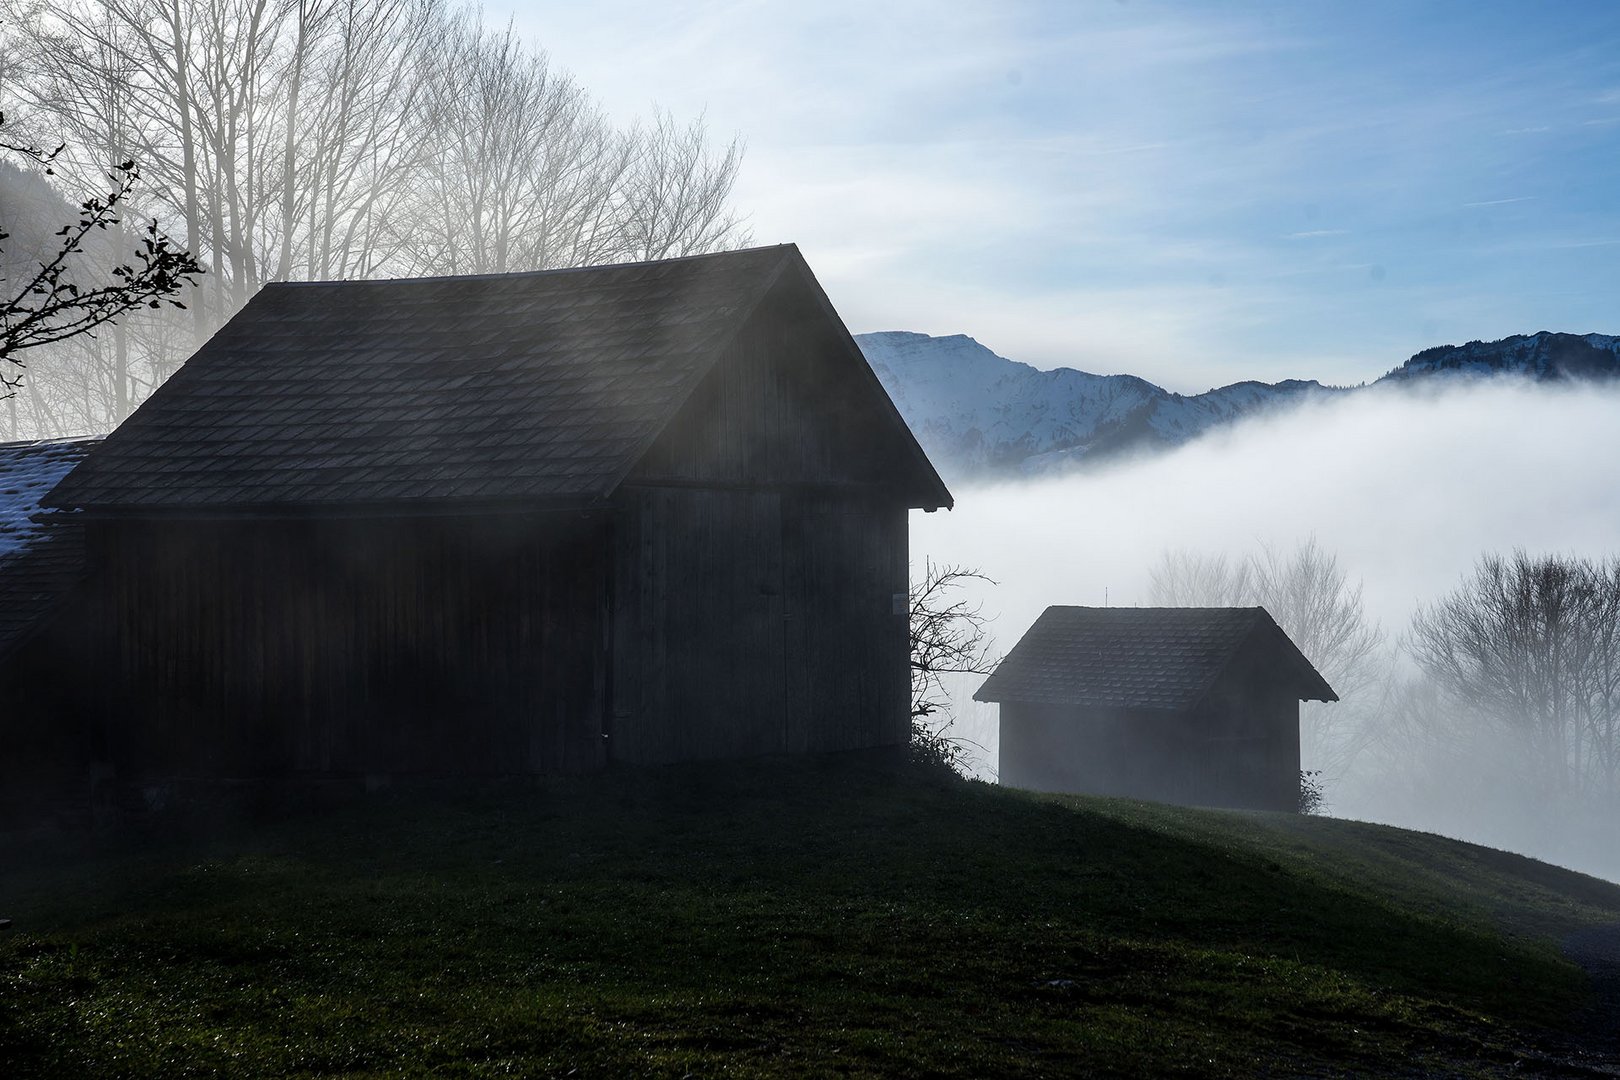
{"x":979,"y":414}
{"x":1544,"y":356}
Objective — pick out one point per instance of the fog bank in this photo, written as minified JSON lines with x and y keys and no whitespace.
{"x":1408,"y":488}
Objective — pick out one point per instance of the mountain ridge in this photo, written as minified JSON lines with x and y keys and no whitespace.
{"x":982,"y":415}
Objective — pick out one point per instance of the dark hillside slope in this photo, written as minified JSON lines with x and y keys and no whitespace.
{"x":813,"y":917}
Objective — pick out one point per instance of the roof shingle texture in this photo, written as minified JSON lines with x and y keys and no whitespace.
{"x":1135,"y":658}
{"x":540,"y":386}
{"x":40,"y":563}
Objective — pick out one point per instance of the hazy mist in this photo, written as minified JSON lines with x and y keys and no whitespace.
{"x":1408,"y":488}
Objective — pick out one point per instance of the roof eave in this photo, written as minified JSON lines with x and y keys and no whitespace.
{"x":400,"y":508}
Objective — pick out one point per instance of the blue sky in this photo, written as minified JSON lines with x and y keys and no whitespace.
{"x":1193,"y":192}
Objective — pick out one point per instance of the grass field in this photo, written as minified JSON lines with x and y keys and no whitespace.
{"x":810,"y":917}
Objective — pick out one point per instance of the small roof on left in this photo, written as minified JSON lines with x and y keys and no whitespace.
{"x":40,"y":560}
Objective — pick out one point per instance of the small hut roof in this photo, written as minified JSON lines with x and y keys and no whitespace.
{"x":542,"y":388}
{"x":1140,"y":658}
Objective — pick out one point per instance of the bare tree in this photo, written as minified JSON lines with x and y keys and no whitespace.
{"x":1184,"y":578}
{"x":524,"y":171}
{"x":65,"y":295}
{"x":1530,"y":647}
{"x":949,"y":636}
{"x":1314,"y":601}
{"x":345,"y":138}
{"x":679,"y":192}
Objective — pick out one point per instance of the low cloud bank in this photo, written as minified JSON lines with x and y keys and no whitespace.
{"x":1407,"y":488}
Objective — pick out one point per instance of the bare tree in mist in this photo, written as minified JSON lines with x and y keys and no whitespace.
{"x":1529,"y":648}
{"x":949,"y":636}
{"x":678,"y":191}
{"x":322,"y":139}
{"x":1314,"y":601}
{"x":1195,"y":579}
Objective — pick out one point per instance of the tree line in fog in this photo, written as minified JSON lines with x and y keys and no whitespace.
{"x":1500,"y":699}
{"x":322,"y":139}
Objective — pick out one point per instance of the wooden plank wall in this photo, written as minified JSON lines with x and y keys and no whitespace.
{"x":763,"y":544}
{"x":849,"y":682}
{"x":753,"y":622}
{"x":47,"y":717}
{"x":436,"y":646}
{"x":698,"y":658}
{"x":1228,"y":751}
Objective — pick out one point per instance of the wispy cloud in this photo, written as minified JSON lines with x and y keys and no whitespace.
{"x":1156,"y":185}
{"x":1564,"y":245}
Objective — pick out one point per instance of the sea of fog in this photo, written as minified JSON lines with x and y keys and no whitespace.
{"x":1408,"y":488}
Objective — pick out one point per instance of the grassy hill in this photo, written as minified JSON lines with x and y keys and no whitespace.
{"x":819,"y":917}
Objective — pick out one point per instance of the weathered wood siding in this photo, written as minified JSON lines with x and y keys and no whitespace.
{"x":848,"y":671}
{"x":47,"y":718}
{"x":432,"y":646}
{"x":1239,"y":747}
{"x":761,"y":564}
{"x":698,"y":660}
{"x":1136,"y":753}
{"x":755,"y":622}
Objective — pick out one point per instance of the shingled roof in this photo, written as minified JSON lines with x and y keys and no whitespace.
{"x":1139,"y":658}
{"x":539,"y":387}
{"x":40,"y":562}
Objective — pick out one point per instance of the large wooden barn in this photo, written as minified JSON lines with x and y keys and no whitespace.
{"x":1198,"y":706}
{"x":516,"y":523}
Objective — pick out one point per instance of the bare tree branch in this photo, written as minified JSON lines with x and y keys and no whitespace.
{"x":949,"y":636}
{"x":59,"y":302}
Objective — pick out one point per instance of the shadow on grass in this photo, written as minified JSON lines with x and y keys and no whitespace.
{"x":826,"y":915}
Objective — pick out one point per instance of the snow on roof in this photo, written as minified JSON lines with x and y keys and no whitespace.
{"x":27,"y":471}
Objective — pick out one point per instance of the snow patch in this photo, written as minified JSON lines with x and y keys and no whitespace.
{"x":28,"y":470}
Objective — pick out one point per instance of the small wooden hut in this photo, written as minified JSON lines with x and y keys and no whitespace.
{"x":516,"y":523}
{"x":1198,"y":706}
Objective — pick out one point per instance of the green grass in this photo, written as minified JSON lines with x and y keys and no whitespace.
{"x":822,"y":917}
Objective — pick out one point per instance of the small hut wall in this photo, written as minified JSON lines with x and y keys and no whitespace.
{"x":467,"y":646}
{"x":1232,"y":750}
{"x":1136,"y":753}
{"x":1250,"y":722}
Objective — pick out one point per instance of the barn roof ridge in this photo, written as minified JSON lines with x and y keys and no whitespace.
{"x":504,"y":275}
{"x":532,"y":388}
{"x":1153,"y":658}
